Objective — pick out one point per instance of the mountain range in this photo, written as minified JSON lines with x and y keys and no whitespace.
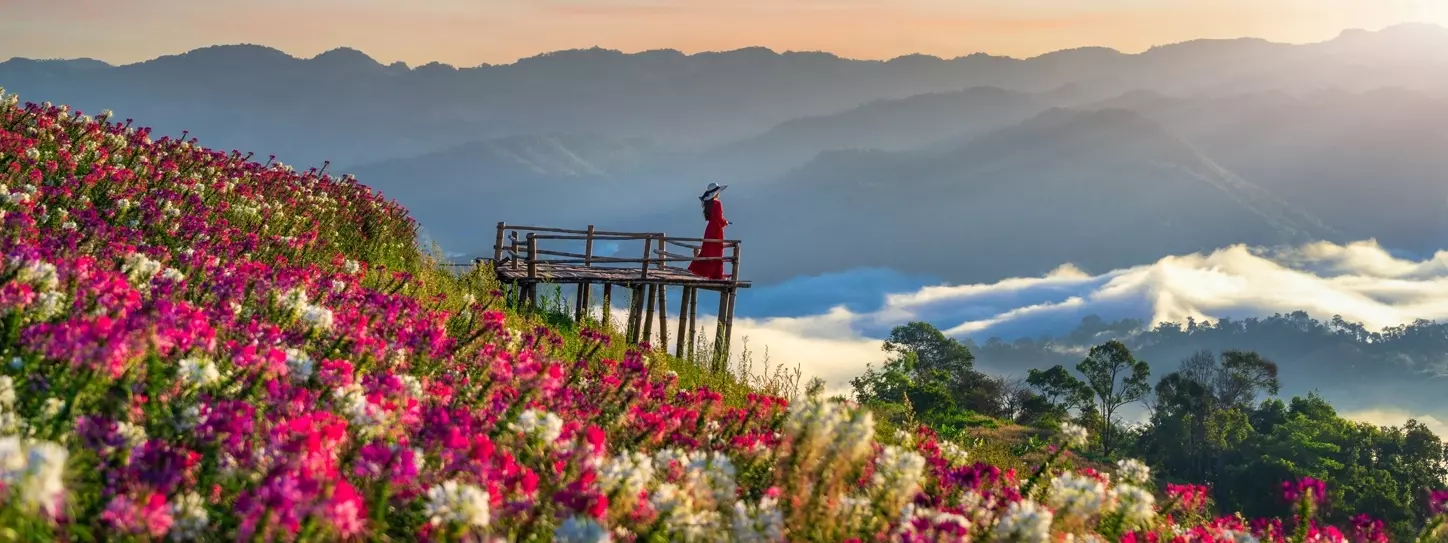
{"x":970,"y":169}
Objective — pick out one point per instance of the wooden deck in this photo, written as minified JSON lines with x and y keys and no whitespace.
{"x":526,"y":263}
{"x":547,"y":272}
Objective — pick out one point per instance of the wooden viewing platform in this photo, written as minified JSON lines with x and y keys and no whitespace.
{"x":526,"y":263}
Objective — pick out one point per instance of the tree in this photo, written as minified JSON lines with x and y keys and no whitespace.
{"x":1115,"y":378}
{"x":1059,"y":387}
{"x":949,"y":362}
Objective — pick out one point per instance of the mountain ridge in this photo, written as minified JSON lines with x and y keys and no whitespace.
{"x":1417,"y":28}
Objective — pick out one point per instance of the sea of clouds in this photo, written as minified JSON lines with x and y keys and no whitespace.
{"x":833,"y":325}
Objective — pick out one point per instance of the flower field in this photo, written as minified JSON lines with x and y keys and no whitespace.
{"x":199,"y":346}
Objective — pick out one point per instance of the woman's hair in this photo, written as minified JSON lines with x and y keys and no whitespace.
{"x":705,"y":203}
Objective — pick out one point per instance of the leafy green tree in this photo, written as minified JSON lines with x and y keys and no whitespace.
{"x":1115,"y":378}
{"x":1060,"y":388}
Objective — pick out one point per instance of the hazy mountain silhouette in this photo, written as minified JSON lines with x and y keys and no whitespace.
{"x":539,"y":179}
{"x":1101,"y":189}
{"x":345,"y":107}
{"x":890,"y":125}
{"x":1369,"y":162}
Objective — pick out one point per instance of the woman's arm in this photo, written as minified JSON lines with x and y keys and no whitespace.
{"x":717,"y":213}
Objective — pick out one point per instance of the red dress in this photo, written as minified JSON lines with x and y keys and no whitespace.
{"x":712,"y":269}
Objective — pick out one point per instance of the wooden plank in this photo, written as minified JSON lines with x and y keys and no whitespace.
{"x":630,"y":235}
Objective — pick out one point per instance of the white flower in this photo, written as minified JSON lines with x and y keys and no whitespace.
{"x":541,"y":424}
{"x":365,"y":417}
{"x":898,"y":474}
{"x":190,"y":519}
{"x":191,"y":417}
{"x":52,"y":408}
{"x":1024,"y":521}
{"x":338,"y":287}
{"x":42,"y":275}
{"x":198,"y":372}
{"x":1133,"y":471}
{"x":134,"y":435}
{"x":140,"y":269}
{"x":1136,"y":505}
{"x":626,"y":475}
{"x":1073,"y":435}
{"x":1075,"y":495}
{"x":581,"y":530}
{"x":318,"y":317}
{"x":7,"y":391}
{"x":351,"y":267}
{"x":174,"y":275}
{"x":299,"y":365}
{"x":43,"y":485}
{"x":953,"y":452}
{"x":412,"y":385}
{"x":458,"y":503}
{"x":757,"y":524}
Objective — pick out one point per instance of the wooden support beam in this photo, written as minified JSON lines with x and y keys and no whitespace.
{"x":587,"y":300}
{"x":664,"y":317}
{"x":729,"y":323}
{"x":683,"y":322}
{"x":693,"y":325}
{"x":636,"y":314}
{"x":650,"y":300}
{"x":607,"y":305}
{"x":720,"y":355}
{"x":578,"y":303}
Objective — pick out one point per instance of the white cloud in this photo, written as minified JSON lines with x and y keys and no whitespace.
{"x":1361,"y":281}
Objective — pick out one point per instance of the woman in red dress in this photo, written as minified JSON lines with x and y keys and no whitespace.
{"x":714,"y":214}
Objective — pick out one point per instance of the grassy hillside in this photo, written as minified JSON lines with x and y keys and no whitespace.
{"x":202,"y":346}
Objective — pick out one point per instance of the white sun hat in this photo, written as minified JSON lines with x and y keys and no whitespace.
{"x":713,"y":190}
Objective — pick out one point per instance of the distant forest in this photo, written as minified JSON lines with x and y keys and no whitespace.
{"x":1311,"y":352}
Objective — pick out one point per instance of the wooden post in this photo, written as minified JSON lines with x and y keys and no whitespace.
{"x":532,"y":272}
{"x":721,"y":355}
{"x":693,"y":325}
{"x":648,"y":245}
{"x":578,"y":303}
{"x":588,"y":248}
{"x":607,"y":304}
{"x":498,"y":243}
{"x":683,"y":322}
{"x":734,"y":273}
{"x":651,"y":300}
{"x":513,"y":243}
{"x":636,"y":314}
{"x":729,"y":322}
{"x":664,"y":316}
{"x":585,"y":289}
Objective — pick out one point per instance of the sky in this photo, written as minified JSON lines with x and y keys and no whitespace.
{"x":473,"y":32}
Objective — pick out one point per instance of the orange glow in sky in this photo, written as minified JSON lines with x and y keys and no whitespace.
{"x":471,"y":32}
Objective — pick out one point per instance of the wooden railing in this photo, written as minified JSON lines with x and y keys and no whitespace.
{"x":526,"y":253}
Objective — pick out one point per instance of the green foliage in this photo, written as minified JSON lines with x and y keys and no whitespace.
{"x":1115,"y":378}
